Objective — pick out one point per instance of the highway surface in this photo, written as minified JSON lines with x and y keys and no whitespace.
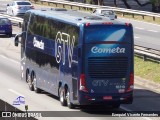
{"x":11,"y":85}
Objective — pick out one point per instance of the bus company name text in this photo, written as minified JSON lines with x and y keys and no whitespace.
{"x":64,"y":42}
{"x":38,"y":44}
{"x":96,"y":49}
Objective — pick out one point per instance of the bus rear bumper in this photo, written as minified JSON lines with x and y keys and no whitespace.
{"x":96,"y":99}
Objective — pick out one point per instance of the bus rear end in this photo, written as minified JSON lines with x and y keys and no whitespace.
{"x":107,"y":74}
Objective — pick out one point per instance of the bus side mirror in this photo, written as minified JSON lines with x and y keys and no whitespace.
{"x":16,"y":39}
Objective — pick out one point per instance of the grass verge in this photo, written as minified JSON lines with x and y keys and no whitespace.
{"x":147,"y":69}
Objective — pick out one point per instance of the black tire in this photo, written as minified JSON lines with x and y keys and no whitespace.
{"x":62,"y":97}
{"x":116,"y":106}
{"x":37,"y":90}
{"x":69,"y":104}
{"x":30,"y":82}
{"x":10,"y":34}
{"x":13,"y":13}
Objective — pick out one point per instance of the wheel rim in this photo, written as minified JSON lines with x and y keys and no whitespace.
{"x":29,"y":81}
{"x":34,"y":83}
{"x":68,"y":98}
{"x":61,"y":96}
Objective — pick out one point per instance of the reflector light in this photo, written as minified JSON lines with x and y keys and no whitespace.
{"x":127,"y":24}
{"x":107,"y":23}
{"x":83,"y":86}
{"x":32,"y":7}
{"x":131,"y":82}
{"x":87,"y":24}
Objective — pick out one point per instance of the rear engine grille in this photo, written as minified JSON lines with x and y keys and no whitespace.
{"x":107,"y":67}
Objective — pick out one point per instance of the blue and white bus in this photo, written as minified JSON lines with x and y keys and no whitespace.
{"x":79,"y":57}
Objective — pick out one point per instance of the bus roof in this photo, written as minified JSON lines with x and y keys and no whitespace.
{"x":73,"y":16}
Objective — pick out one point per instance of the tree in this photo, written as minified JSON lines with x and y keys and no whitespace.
{"x":98,"y":2}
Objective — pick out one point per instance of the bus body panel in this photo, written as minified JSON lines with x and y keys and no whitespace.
{"x":60,"y":54}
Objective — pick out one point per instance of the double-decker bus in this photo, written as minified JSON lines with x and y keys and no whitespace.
{"x":79,"y":57}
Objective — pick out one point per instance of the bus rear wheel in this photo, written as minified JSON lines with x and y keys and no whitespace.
{"x":116,"y":106}
{"x":69,"y":104}
{"x":30,"y":82}
{"x":62,"y":97}
{"x":37,"y":90}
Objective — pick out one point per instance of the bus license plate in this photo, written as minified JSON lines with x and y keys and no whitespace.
{"x":107,"y":97}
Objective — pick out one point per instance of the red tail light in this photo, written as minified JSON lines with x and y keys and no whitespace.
{"x":18,"y":7}
{"x":32,"y":7}
{"x":127,"y":24}
{"x":131,"y":82}
{"x":82,"y":85}
{"x":107,"y":23}
{"x":87,"y":24}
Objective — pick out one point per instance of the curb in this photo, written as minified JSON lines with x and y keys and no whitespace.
{"x":150,"y":85}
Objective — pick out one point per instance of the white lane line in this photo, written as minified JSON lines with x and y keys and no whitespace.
{"x":136,"y":37}
{"x":139,"y":28}
{"x":153,"y":31}
{"x":9,"y":59}
{"x":15,"y":92}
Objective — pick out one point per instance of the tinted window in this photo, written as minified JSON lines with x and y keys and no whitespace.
{"x":4,"y":21}
{"x":23,"y":3}
{"x":107,"y":33}
{"x":108,"y":12}
{"x":48,"y":28}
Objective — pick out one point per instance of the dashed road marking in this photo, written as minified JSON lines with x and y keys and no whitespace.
{"x":15,"y":92}
{"x":139,"y":28}
{"x":9,"y":59}
{"x":136,"y":37}
{"x":153,"y":31}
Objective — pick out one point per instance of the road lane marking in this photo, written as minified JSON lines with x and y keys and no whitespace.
{"x":9,"y":59}
{"x":152,"y":31}
{"x":139,"y":28}
{"x":15,"y":92}
{"x":136,"y":37}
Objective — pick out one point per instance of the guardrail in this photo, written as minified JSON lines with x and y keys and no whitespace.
{"x":147,"y":53}
{"x":89,"y":6}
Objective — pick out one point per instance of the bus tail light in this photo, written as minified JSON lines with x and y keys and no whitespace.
{"x":127,"y":24}
{"x":87,"y":24}
{"x":107,"y":23}
{"x":131,"y":82}
{"x":32,"y":7}
{"x":82,"y":85}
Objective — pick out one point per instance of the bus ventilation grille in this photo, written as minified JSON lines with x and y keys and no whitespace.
{"x":108,"y":67}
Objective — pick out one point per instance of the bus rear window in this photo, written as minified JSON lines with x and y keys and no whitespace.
{"x":102,"y":33}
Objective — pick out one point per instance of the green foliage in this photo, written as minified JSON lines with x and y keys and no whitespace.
{"x":147,"y":69}
{"x":89,"y":1}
